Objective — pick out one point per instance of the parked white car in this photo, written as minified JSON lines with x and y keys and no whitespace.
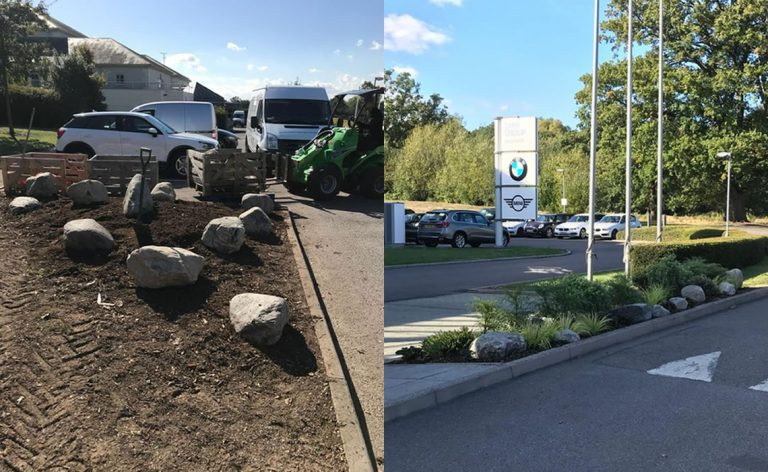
{"x":610,"y":225}
{"x":576,"y":227}
{"x":124,"y":133}
{"x":514,"y":227}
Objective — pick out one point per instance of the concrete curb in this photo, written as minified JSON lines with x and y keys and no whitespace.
{"x":349,"y":416}
{"x":501,"y":372}
{"x":543,"y":256}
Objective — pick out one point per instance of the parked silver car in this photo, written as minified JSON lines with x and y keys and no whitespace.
{"x":457,"y":227}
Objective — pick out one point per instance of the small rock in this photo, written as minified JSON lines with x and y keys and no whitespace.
{"x":23,"y":205}
{"x":727,"y":289}
{"x":678,"y":303}
{"x":634,"y":313}
{"x":261,"y":200}
{"x":131,"y":199}
{"x":258,"y":318}
{"x":88,"y":192}
{"x":694,"y":293}
{"x":567,"y":336}
{"x":495,"y":346}
{"x":42,"y":185}
{"x":87,"y":236}
{"x":736,"y":277}
{"x":658,"y":311}
{"x":225,"y":235}
{"x":164,"y":192}
{"x":256,"y":222}
{"x":160,"y":266}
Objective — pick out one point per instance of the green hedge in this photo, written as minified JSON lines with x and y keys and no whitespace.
{"x":678,"y":233}
{"x":50,"y":113}
{"x":729,"y":252}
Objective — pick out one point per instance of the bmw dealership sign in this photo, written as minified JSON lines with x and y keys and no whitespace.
{"x":516,"y":167}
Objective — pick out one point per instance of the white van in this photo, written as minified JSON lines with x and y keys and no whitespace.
{"x":283,"y":118}
{"x":185,"y":117}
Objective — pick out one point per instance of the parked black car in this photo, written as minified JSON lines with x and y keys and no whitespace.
{"x":412,"y":227}
{"x":544,"y":224}
{"x":227,"y":139}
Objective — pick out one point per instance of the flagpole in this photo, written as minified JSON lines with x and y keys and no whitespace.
{"x":593,"y":144}
{"x":660,"y":140}
{"x":628,"y":190}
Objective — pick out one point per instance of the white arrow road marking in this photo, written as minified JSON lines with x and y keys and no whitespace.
{"x":694,"y":368}
{"x":762,"y":386}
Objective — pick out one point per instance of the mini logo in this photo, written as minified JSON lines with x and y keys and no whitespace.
{"x":518,"y":203}
{"x":518,"y":169}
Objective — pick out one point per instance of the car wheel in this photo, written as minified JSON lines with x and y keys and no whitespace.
{"x":614,"y":233}
{"x":505,"y":239}
{"x":549,"y":232}
{"x":459,"y":240}
{"x":519,"y":233}
{"x":559,"y":237}
{"x":372,"y":182}
{"x":430,"y":243}
{"x":582,"y":233}
{"x":324,"y":182}
{"x":177,"y":164}
{"x":80,"y":148}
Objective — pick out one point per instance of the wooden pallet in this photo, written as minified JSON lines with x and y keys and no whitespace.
{"x":67,"y":168}
{"x":115,"y":172}
{"x":226,"y":172}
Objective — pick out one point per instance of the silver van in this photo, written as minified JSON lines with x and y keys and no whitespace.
{"x":185,"y":117}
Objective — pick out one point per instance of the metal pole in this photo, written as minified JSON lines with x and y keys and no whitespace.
{"x":728,"y":199}
{"x":628,"y":189}
{"x":660,"y":165}
{"x":593,"y":145}
{"x":562,"y":174}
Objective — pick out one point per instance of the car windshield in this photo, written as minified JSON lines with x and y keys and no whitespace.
{"x":297,"y":112}
{"x":544,"y":219}
{"x":434,"y":217}
{"x":579,"y":218}
{"x":162,"y":127}
{"x":611,"y":219}
{"x":238,"y":114}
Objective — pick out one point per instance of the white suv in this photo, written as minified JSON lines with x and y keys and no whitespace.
{"x":610,"y":225}
{"x":124,"y":133}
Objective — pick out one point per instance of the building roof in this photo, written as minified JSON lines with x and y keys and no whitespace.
{"x":204,"y":94}
{"x":55,"y":25}
{"x":107,"y":51}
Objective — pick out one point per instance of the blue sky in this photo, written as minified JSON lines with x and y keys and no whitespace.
{"x":491,"y":58}
{"x":233,"y":47}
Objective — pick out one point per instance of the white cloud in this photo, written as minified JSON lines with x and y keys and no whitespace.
{"x":504,"y":107}
{"x":359,"y":42}
{"x":313,"y":70}
{"x":403,"y":69}
{"x":406,"y":33}
{"x":262,"y":68}
{"x":442,"y":3}
{"x":350,"y":56}
{"x":185,"y":61}
{"x":250,"y":66}
{"x":234,"y":47}
{"x":375,"y":46}
{"x":337,"y":51}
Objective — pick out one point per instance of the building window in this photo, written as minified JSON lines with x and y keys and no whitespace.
{"x":120,"y":78}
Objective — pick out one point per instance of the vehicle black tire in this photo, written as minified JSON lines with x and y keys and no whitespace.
{"x":459,"y":240}
{"x":430,"y":243}
{"x":549,"y":233}
{"x":614,"y":233}
{"x":559,"y":237}
{"x":324,"y":182}
{"x":177,"y":164}
{"x":505,"y":239}
{"x":582,"y":233}
{"x":294,"y":187}
{"x":80,"y":148}
{"x":372,"y":182}
{"x":519,"y":232}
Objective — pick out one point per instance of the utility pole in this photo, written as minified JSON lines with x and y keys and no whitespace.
{"x":628,"y":189}
{"x":163,"y":53}
{"x":660,"y":163}
{"x":593,"y":145}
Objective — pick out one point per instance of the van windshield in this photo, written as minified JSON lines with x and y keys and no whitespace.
{"x":297,"y":112}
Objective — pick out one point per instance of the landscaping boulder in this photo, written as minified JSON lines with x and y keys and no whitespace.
{"x":87,"y":236}
{"x":42,"y":185}
{"x":631,"y":314}
{"x":566,"y":336}
{"x":258,"y":318}
{"x":23,"y":205}
{"x":261,"y":200}
{"x":658,"y":311}
{"x":256,"y":222}
{"x":694,"y":293}
{"x":495,"y":346}
{"x":87,"y":192}
{"x":131,"y":200}
{"x":678,"y":303}
{"x":164,"y":192}
{"x":735,"y":277}
{"x":225,"y":235}
{"x":160,"y":266}
{"x":727,"y":289}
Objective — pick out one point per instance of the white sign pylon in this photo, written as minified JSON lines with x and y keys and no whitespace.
{"x":701,"y":368}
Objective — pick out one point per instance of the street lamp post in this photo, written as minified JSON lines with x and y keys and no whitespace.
{"x":563,"y":201}
{"x":727,"y":155}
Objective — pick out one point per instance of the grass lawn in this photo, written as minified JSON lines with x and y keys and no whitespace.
{"x":756,"y":275}
{"x":421,"y":207}
{"x":39,"y":140}
{"x":422,"y":255}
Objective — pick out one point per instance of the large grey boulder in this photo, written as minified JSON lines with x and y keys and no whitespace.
{"x":225,"y":235}
{"x":258,"y":318}
{"x":163,"y":192}
{"x":131,"y":199}
{"x":256,"y":222}
{"x":693,"y":293}
{"x":727,"y":289}
{"x":87,"y":236}
{"x":567,"y":336}
{"x":634,"y":313}
{"x":23,"y":205}
{"x":88,"y":192}
{"x":160,"y":266}
{"x":42,"y":185}
{"x":736,"y":277}
{"x":495,"y":346}
{"x":658,"y":311}
{"x":678,"y":303}
{"x":261,"y":200}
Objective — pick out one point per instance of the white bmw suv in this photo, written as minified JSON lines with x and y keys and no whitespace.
{"x":124,"y":133}
{"x":610,"y":225}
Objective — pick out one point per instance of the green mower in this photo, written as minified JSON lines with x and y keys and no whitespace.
{"x":348,"y":154}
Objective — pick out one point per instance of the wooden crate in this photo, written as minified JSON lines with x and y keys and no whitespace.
{"x":16,"y":168}
{"x":226,"y":172}
{"x":115,"y":172}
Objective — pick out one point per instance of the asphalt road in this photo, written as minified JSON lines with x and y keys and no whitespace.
{"x":407,"y":283}
{"x":605,"y":412}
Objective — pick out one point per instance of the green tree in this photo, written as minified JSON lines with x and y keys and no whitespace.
{"x":18,"y":20}
{"x":77,"y":82}
{"x":405,"y":108}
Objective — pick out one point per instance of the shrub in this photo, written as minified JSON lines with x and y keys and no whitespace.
{"x":572,"y":294}
{"x":709,"y":286}
{"x":449,"y":345}
{"x":674,"y":233}
{"x":591,"y":325}
{"x":656,"y":294}
{"x":412,"y":354}
{"x":621,"y":291}
{"x":492,"y":316}
{"x":539,"y":335}
{"x":666,"y":271}
{"x":49,"y":111}
{"x":697,"y":265}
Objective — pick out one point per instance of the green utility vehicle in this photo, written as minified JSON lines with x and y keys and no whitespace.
{"x":348,"y":154}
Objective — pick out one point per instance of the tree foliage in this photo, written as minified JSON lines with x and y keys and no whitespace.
{"x":77,"y":82}
{"x":405,"y":108}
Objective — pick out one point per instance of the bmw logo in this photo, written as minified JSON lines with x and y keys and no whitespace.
{"x":518,"y":169}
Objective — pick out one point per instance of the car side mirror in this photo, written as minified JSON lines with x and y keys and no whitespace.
{"x":153,"y":132}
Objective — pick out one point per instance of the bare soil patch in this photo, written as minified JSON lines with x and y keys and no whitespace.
{"x":159,"y":380}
